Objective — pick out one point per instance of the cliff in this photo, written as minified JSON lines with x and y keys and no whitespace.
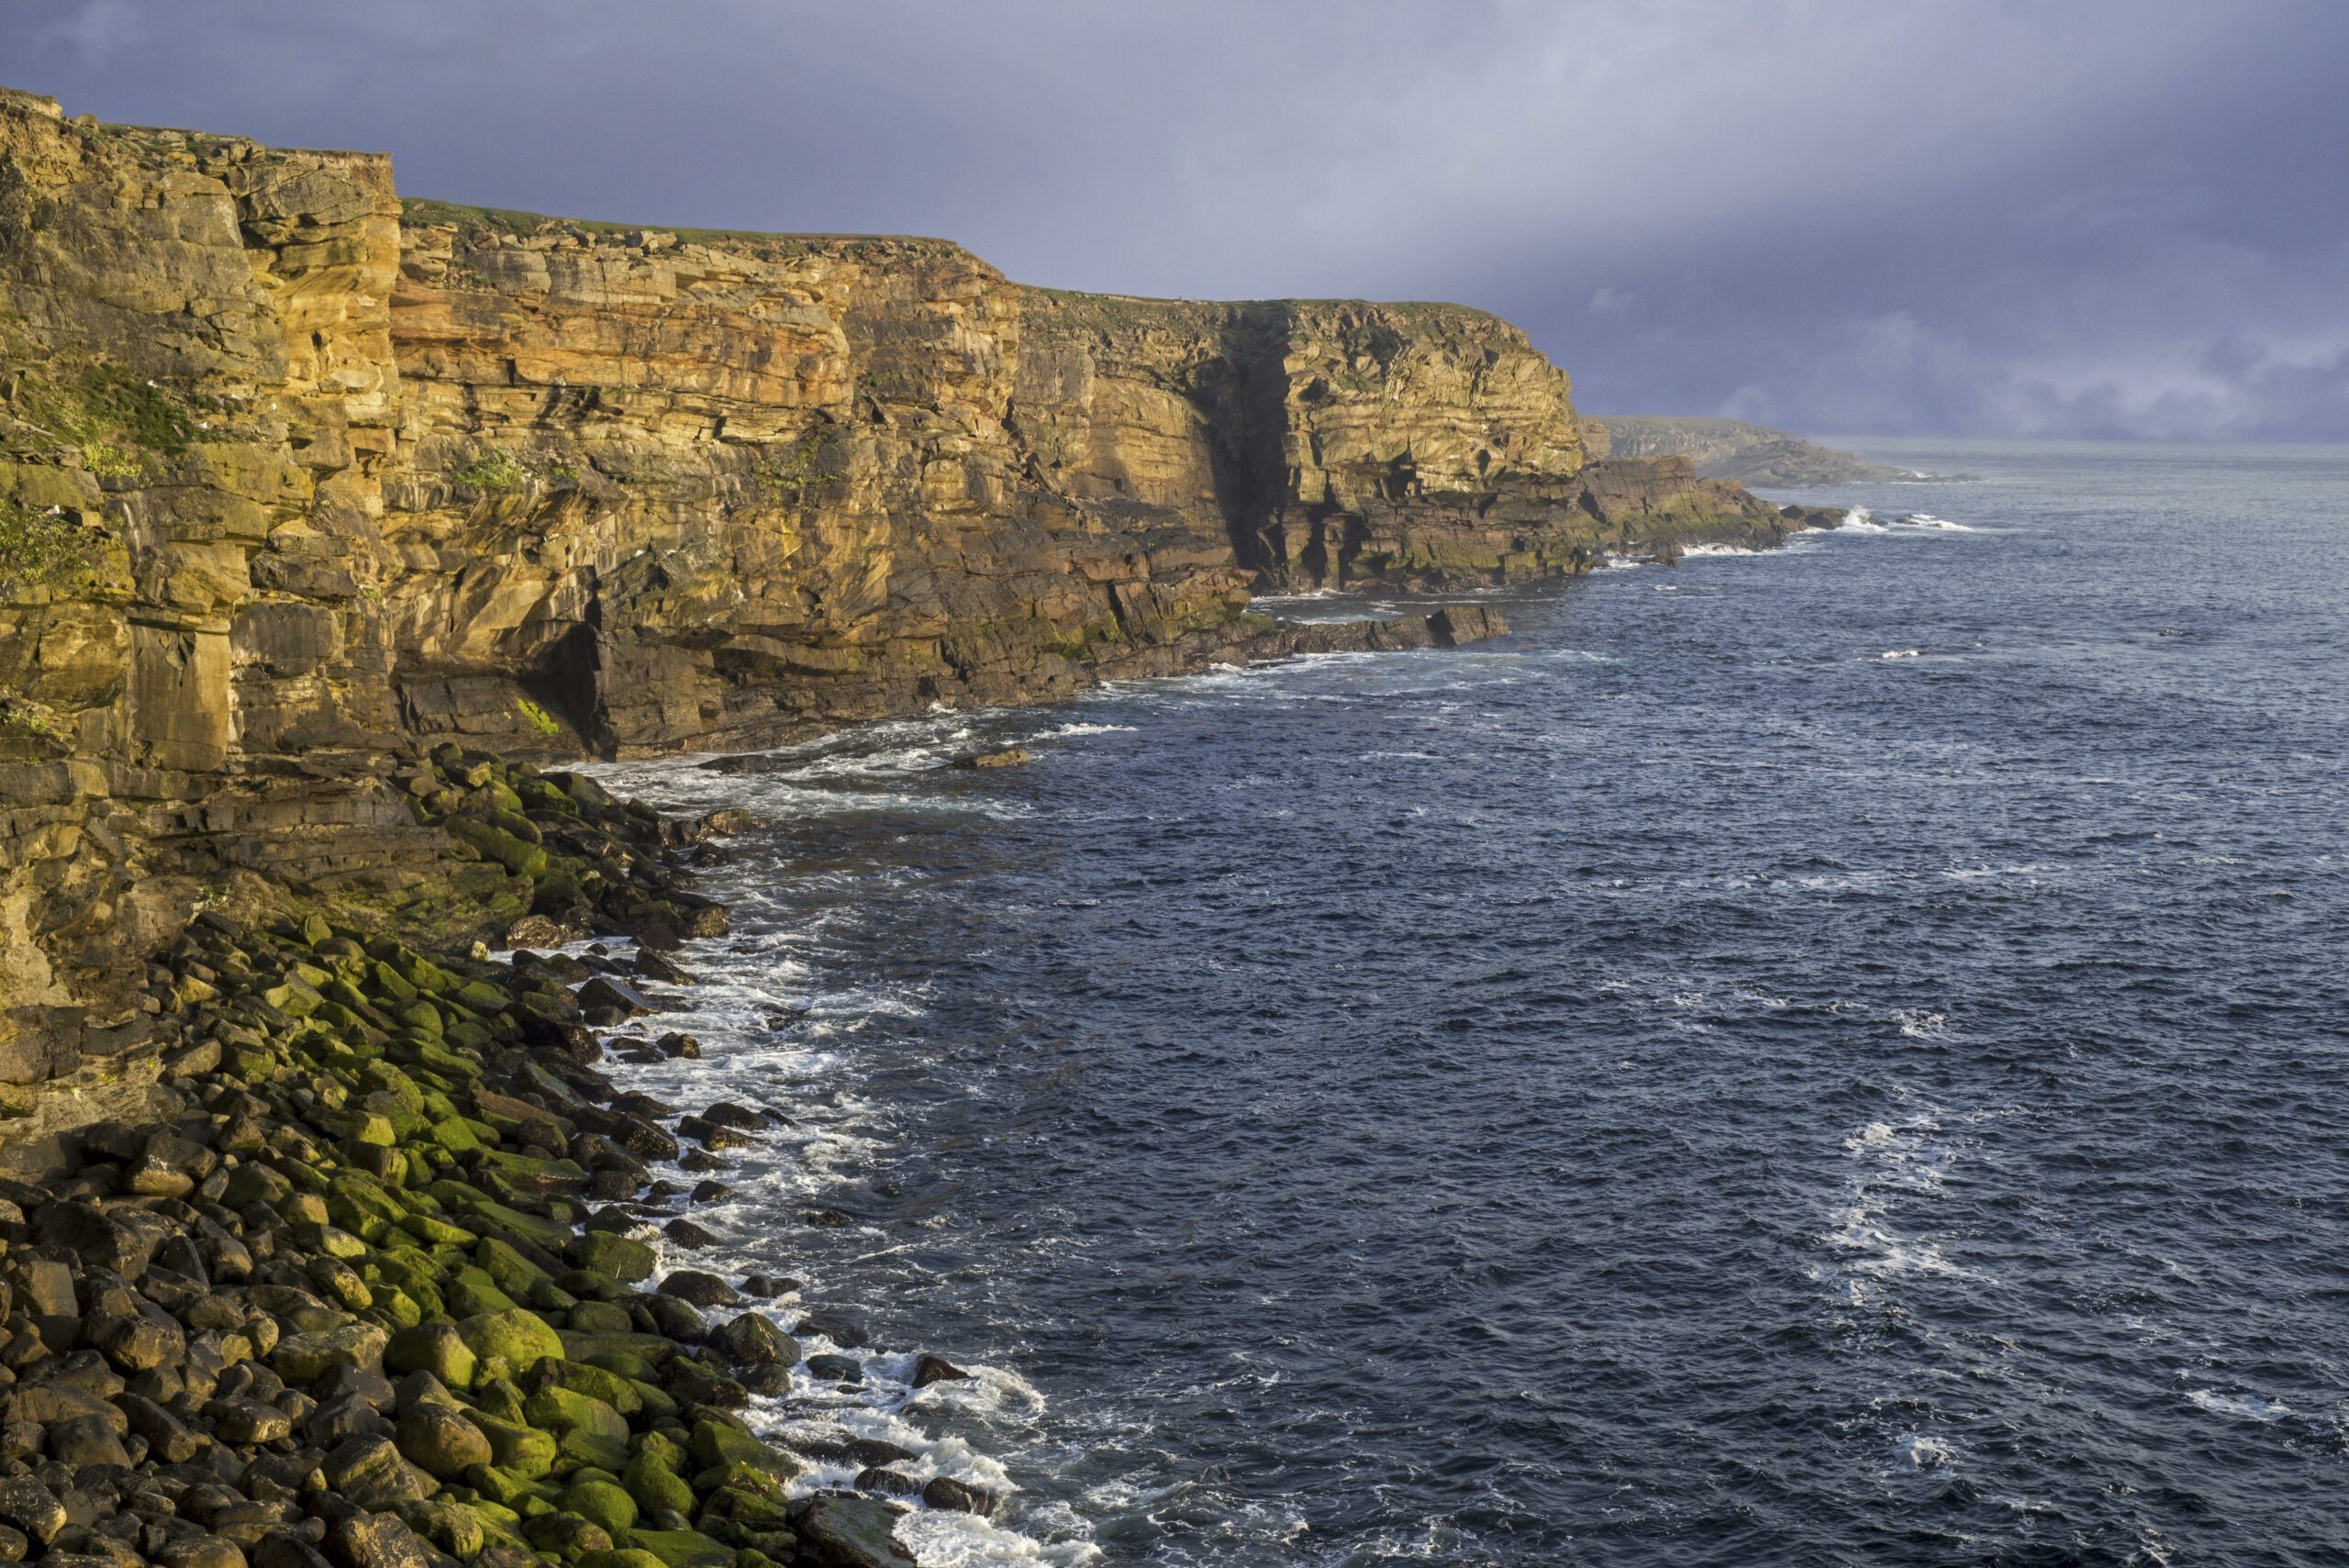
{"x":1749,"y":454}
{"x":297,"y":478}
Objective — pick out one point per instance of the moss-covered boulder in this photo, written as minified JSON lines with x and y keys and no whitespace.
{"x":521,"y":1338}
{"x":520,"y":1450}
{"x":656,"y":1485}
{"x":558,"y":1410}
{"x":602,"y":1502}
{"x":617,"y":1256}
{"x":715,"y":1446}
{"x":684,"y":1548}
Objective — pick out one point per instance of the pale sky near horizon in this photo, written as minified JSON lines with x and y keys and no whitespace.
{"x":1986,"y":218}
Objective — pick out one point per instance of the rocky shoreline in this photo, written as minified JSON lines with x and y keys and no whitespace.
{"x":382,"y":1283}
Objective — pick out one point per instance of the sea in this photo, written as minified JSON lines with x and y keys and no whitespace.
{"x":1833,"y":1055}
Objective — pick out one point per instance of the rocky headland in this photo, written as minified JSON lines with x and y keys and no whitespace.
{"x":1749,"y":454}
{"x":328,"y":521}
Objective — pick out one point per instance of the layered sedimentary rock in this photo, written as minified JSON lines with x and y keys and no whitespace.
{"x":294,"y":475}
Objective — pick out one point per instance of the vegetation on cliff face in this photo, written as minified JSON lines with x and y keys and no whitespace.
{"x":44,"y":550}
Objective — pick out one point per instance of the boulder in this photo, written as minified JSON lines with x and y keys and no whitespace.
{"x":218,"y":1552}
{"x":875,"y":1451}
{"x":892,"y":1483}
{"x":606,"y":1254}
{"x":99,"y":1239}
{"x":437,"y":1348}
{"x":700,"y":1289}
{"x":58,"y":1400}
{"x":522,"y":1338}
{"x":168,"y":1438}
{"x":685,"y":1233}
{"x":135,"y":1341}
{"x":338,"y":1420}
{"x":243,"y":1421}
{"x":379,"y":1540}
{"x":367,"y":1382}
{"x":656,"y":1485}
{"x":715,"y":1446}
{"x":559,"y":1409}
{"x":851,"y":1532}
{"x":86,"y":1440}
{"x":930,"y":1369}
{"x":952,"y":1495}
{"x":288,"y":1548}
{"x":602,"y":1502}
{"x":845,"y":1332}
{"x":525,"y":1450}
{"x":371,"y":1473}
{"x":303,"y":1359}
{"x":685,"y":1548}
{"x":565,"y":1534}
{"x":451,"y":1527}
{"x":440,"y":1440}
{"x":29,"y":1507}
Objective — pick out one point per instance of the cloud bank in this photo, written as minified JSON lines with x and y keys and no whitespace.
{"x":1948,"y":217}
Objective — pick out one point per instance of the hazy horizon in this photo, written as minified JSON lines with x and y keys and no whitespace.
{"x":1954,"y":219}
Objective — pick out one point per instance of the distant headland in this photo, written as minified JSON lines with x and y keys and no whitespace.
{"x":1750,"y":454}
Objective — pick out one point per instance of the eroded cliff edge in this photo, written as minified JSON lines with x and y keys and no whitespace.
{"x":296,"y":476}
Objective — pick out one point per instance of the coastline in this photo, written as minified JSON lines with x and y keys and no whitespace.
{"x":371,"y":476}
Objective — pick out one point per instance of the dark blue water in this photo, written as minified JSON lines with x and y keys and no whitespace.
{"x":1678,"y":1085}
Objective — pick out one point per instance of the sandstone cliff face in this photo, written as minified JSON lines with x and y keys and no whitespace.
{"x":335,"y":475}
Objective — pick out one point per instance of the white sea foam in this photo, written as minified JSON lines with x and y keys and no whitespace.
{"x":1904,"y":653}
{"x":1897,"y":1162}
{"x":770,"y":1024}
{"x":2242,"y":1407}
{"x":947,"y":1540}
{"x":1921,"y":1452}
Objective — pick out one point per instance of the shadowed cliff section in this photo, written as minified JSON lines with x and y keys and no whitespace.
{"x":294,"y":476}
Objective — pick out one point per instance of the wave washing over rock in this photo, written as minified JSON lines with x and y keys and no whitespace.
{"x":321,"y":514}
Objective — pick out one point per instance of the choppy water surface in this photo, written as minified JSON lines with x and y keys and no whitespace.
{"x":1835,"y":1056}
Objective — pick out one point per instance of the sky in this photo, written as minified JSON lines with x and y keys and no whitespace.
{"x":2043,"y":218}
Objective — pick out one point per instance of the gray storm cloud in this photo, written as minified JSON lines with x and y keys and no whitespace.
{"x":1961,"y":217}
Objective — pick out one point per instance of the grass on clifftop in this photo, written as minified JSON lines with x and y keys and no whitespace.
{"x":470,"y":221}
